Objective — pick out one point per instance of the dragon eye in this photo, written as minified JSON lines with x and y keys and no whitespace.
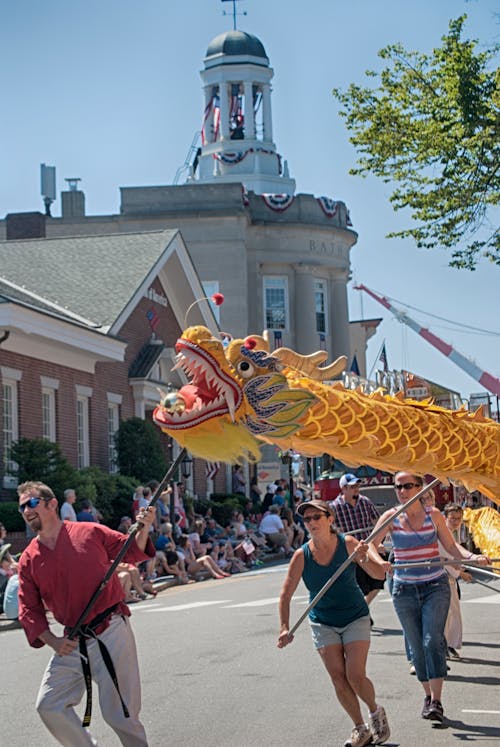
{"x":245,"y":369}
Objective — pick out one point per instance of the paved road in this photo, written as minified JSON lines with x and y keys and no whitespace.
{"x":212,"y":675}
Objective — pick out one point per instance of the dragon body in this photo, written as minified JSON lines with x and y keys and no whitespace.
{"x":242,"y":395}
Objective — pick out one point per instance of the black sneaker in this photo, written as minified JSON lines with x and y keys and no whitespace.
{"x":436,"y":711}
{"x":427,"y":705}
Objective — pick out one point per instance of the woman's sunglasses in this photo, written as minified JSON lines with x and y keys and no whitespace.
{"x":31,"y":503}
{"x":314,"y":517}
{"x":407,"y":486}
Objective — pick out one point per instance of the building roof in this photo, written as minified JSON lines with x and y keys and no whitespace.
{"x":86,"y":278}
{"x":237,"y":44}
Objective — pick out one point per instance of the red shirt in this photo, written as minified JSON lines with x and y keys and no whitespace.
{"x":64,"y":579}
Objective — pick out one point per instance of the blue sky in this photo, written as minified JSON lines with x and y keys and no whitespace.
{"x":109,"y":91}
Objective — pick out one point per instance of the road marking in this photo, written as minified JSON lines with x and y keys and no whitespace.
{"x":261,"y":602}
{"x":470,"y":710}
{"x":493,"y":599}
{"x":256,"y":603}
{"x":193,"y":605}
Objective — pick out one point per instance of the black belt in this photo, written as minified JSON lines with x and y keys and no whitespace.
{"x":88,"y":631}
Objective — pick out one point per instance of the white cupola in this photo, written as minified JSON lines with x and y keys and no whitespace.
{"x":237,"y":131}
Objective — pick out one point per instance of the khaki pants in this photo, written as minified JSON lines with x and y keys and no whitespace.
{"x":63,"y":687}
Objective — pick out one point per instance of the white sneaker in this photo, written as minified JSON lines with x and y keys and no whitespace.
{"x":379,"y":726}
{"x":360,"y":736}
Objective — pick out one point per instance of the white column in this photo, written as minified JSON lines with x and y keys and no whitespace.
{"x":224,"y":111}
{"x":339,"y":318}
{"x":306,"y":336}
{"x":249,"y":115}
{"x":266,"y":112}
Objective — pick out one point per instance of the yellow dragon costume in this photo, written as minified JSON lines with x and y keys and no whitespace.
{"x":242,"y":394}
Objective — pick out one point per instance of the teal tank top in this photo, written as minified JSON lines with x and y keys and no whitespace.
{"x":344,"y":601}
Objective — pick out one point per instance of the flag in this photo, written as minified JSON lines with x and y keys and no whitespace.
{"x":152,"y":318}
{"x":211,"y":469}
{"x":278,"y":339}
{"x":322,"y":341}
{"x":383,"y":358}
{"x":216,"y":124}
{"x":354,"y":366}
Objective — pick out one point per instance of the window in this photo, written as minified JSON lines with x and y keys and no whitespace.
{"x":114,"y":402}
{"x":210,"y":287}
{"x":10,"y":423}
{"x":49,"y":414}
{"x":83,"y":394}
{"x":320,"y":305}
{"x":275,"y":303}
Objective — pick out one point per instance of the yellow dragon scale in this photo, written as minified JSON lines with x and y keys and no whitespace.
{"x":244,"y":395}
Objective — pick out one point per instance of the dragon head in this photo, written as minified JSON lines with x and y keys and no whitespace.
{"x":238,"y":392}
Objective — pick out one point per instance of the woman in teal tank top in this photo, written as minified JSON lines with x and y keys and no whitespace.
{"x":340,"y":621}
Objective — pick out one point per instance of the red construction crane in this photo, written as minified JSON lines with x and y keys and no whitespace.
{"x":490,"y":382}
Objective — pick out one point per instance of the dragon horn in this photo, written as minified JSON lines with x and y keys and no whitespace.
{"x":309,"y":364}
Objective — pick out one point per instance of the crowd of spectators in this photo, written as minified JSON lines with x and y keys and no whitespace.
{"x":189,"y":546}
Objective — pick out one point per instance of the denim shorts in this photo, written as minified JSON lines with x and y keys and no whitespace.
{"x":330,"y":635}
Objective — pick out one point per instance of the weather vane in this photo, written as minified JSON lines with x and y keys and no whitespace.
{"x":233,"y":13}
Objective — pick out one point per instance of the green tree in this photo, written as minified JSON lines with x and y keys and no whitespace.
{"x":41,"y":460}
{"x":432,"y":127}
{"x":139,"y":450}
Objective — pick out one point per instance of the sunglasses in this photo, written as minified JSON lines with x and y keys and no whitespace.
{"x":32,"y":502}
{"x":407,"y":486}
{"x":313,"y":517}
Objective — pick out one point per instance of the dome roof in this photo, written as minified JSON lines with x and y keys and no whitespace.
{"x":237,"y":44}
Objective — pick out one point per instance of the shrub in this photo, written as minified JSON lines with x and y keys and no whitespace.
{"x":112,"y":493}
{"x":10,"y":516}
{"x":139,"y":450}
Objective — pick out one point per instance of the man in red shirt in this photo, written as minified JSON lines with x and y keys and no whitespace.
{"x":60,"y":570}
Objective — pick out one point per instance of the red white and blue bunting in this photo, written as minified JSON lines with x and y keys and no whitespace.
{"x":328,"y":206}
{"x":278,"y":203}
{"x":231,"y":158}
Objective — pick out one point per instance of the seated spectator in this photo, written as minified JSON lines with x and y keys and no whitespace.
{"x":272,"y":528}
{"x":195,"y":564}
{"x":10,"y":599}
{"x":124,"y":525}
{"x":165,"y":539}
{"x":140,"y":587}
{"x":294,"y":532}
{"x":279,"y":496}
{"x":201,"y":543}
{"x":213,"y":530}
{"x":239,"y":528}
{"x":170,"y":563}
{"x":85,"y":513}
{"x":8,"y":568}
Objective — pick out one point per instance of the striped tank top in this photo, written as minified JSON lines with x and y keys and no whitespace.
{"x":412,"y":546}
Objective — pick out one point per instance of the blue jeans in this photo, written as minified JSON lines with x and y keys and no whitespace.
{"x":422,"y":610}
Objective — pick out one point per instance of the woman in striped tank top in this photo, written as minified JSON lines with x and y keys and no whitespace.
{"x":421,"y":595}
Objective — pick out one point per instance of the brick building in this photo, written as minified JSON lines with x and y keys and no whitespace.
{"x":87,"y":328}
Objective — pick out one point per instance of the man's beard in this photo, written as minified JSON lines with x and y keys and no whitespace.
{"x":35,"y":524}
